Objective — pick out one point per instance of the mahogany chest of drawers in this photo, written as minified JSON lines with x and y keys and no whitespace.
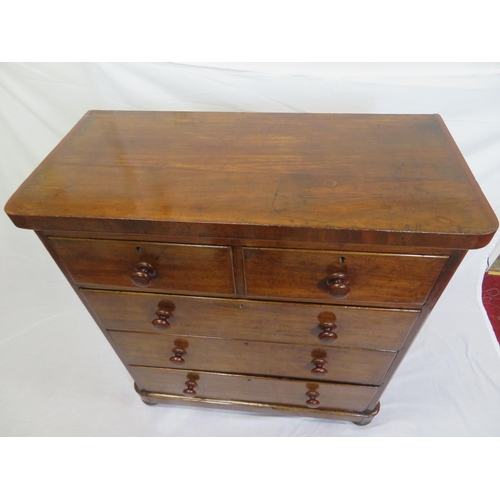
{"x":266,"y":262}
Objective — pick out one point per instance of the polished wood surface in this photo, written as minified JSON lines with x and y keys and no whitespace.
{"x":256,"y":389}
{"x":356,"y":366}
{"x":374,"y":279}
{"x":267,"y":262}
{"x":190,"y":268}
{"x":370,"y":179}
{"x":262,"y":409}
{"x":253,"y":320}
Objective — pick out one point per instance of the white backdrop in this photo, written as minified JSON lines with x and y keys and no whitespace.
{"x":58,"y":375}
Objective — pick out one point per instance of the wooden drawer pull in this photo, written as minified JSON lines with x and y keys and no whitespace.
{"x":143,"y":275}
{"x":337,"y":284}
{"x":327,"y":334}
{"x":319,"y":370}
{"x":312,"y":402}
{"x":161,"y":322}
{"x":177,"y":358}
{"x":190,"y":385}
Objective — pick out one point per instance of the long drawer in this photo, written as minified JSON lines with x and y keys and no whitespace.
{"x":155,"y":266}
{"x":356,"y":366}
{"x":349,"y":277}
{"x":254,"y":389}
{"x":253,"y":320}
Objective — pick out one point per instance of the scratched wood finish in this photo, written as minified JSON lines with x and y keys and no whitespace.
{"x":361,"y":179}
{"x":253,"y":320}
{"x":179,"y":268}
{"x":355,"y":366}
{"x":387,"y":280}
{"x":254,"y":389}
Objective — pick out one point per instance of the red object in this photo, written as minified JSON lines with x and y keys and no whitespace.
{"x":491,"y":301}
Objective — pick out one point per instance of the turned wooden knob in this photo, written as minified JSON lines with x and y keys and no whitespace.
{"x":190,"y":385}
{"x":143,"y":275}
{"x":337,"y":284}
{"x":319,"y":369}
{"x":161,"y":323}
{"x":312,"y":402}
{"x":327,"y":334}
{"x":177,"y":358}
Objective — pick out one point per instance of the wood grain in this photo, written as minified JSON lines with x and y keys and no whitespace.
{"x":179,"y":268}
{"x":371,"y":179}
{"x":254,"y":389}
{"x":252,"y":320}
{"x":356,"y":366}
{"x":374,"y":279}
{"x":248,"y":242}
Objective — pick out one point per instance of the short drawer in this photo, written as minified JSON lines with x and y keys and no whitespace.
{"x":155,"y":266}
{"x":254,"y":389}
{"x":347,"y":277}
{"x":357,"y":366}
{"x":253,"y":320}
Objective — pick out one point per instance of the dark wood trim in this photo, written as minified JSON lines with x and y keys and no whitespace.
{"x":332,"y":236}
{"x":242,"y":242}
{"x":239,"y":274}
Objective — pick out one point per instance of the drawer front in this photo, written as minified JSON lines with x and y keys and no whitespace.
{"x":169,"y":267}
{"x":253,"y":389}
{"x":253,"y":320}
{"x":357,"y":366}
{"x":323,"y":276}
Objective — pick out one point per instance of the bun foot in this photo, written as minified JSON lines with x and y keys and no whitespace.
{"x":369,"y":416}
{"x":362,"y":423}
{"x":144,"y":398}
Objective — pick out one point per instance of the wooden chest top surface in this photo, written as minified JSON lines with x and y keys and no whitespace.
{"x":370,"y":179}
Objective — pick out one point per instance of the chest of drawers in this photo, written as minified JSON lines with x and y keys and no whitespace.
{"x":278,"y":263}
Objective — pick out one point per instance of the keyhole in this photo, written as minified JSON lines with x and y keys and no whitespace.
{"x":342,"y":260}
{"x":139,"y":249}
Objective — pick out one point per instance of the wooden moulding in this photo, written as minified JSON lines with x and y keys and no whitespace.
{"x":359,"y":418}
